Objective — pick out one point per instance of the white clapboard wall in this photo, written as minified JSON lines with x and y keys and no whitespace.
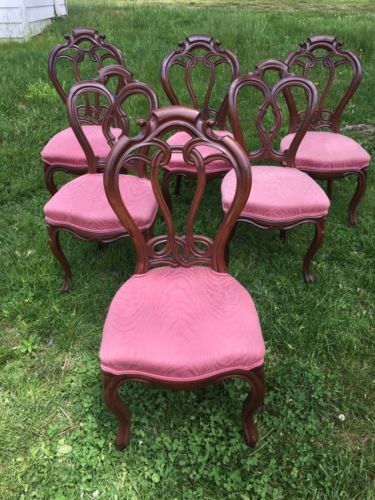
{"x":20,"y":19}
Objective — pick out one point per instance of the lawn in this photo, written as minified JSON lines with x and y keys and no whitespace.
{"x":317,"y":424}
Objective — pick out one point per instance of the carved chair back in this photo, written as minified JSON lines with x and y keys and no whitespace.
{"x":199,"y":52}
{"x":323,"y":58}
{"x":83,"y":47}
{"x":92,"y":103}
{"x":271,"y":96}
{"x":172,"y":249}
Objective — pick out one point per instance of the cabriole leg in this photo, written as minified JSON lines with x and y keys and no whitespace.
{"x":360,"y":191}
{"x":111,"y":386}
{"x":48,"y":178}
{"x":253,"y":401}
{"x":54,"y":243}
{"x":313,"y":248}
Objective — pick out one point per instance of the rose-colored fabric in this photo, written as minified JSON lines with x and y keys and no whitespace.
{"x":278,"y":194}
{"x":322,"y":151}
{"x":82,"y":204}
{"x":177,"y":160}
{"x":64,"y":149}
{"x":181,"y":324}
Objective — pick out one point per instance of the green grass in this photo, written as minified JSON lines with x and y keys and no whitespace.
{"x":56,"y":436}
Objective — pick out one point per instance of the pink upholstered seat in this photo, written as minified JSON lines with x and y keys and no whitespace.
{"x":82,"y":204}
{"x":327,"y":151}
{"x":181,"y":324}
{"x":278,"y":194}
{"x":64,"y":148}
{"x":177,"y":161}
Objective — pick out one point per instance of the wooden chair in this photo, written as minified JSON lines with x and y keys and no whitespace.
{"x":325,"y":153}
{"x":198,"y":51}
{"x":82,"y":48}
{"x":181,"y":321}
{"x":282,"y":197}
{"x":80,"y":206}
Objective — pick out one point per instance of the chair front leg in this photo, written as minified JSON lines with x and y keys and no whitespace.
{"x":54,"y":243}
{"x":360,"y":191}
{"x":111,"y":386}
{"x":253,"y":401}
{"x":313,"y":248}
{"x":49,"y":171}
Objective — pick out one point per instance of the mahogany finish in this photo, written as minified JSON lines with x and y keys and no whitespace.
{"x":195,"y":51}
{"x":108,"y":115}
{"x":173,"y":249}
{"x":266,"y":150}
{"x":327,"y":53}
{"x":83,"y":44}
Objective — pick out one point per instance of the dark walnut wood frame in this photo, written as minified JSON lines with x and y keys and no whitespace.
{"x":266,"y":150}
{"x":107,"y":115}
{"x":309,"y":57}
{"x":188,"y":56}
{"x":98,"y":52}
{"x":179,"y":250}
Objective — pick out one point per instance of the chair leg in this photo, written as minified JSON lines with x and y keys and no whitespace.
{"x":54,"y":243}
{"x":361,"y":188}
{"x":165,"y":189}
{"x":253,"y":401}
{"x":48,"y":178}
{"x":330,"y":188}
{"x":313,"y":248}
{"x":283,"y":234}
{"x":111,"y":385}
{"x":177,"y":188}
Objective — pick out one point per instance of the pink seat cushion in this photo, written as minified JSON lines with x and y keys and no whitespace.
{"x":64,"y":149}
{"x":82,"y":204}
{"x":177,"y":161}
{"x":278,"y":194}
{"x":321,"y":151}
{"x":181,"y":324}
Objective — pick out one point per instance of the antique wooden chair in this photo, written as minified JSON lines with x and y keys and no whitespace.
{"x":181,"y":321}
{"x":80,"y":206}
{"x":325,"y":153}
{"x":198,"y":53}
{"x":281,"y":197}
{"x":79,"y":58}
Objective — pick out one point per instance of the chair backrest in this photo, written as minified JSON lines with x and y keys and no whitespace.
{"x":270,"y":95}
{"x":201,"y":52}
{"x":92,"y":103}
{"x":173,"y":249}
{"x":324,"y":54}
{"x":83,"y":46}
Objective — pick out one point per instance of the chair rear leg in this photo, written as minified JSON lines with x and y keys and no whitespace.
{"x":330,"y":188}
{"x":360,"y":191}
{"x":177,"y":188}
{"x":54,"y":243}
{"x":253,"y":401}
{"x":165,"y":189}
{"x":313,"y":248}
{"x":111,"y":386}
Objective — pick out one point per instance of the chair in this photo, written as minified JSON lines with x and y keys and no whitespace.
{"x":282,"y":197}
{"x":181,"y":321}
{"x":325,"y":153}
{"x":198,"y":52}
{"x":80,"y":206}
{"x":83,"y":48}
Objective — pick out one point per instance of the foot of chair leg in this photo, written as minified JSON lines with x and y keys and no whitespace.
{"x":111,"y":385}
{"x":330,"y":188}
{"x":54,"y":243}
{"x":253,"y":401}
{"x":313,"y":248}
{"x":48,"y":178}
{"x":177,"y":188}
{"x":361,"y":188}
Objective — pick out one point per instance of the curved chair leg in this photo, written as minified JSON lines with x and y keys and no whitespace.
{"x":165,"y":189}
{"x":313,"y":248}
{"x":177,"y":188}
{"x":330,"y":188}
{"x":253,"y":401}
{"x":354,"y":202}
{"x":54,"y":243}
{"x":48,"y":178}
{"x":111,"y":385}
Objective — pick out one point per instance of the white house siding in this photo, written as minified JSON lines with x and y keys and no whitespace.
{"x":20,"y":19}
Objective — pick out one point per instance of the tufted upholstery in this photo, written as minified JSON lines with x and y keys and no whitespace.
{"x":278,"y":194}
{"x":82,"y":204}
{"x":181,"y":324}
